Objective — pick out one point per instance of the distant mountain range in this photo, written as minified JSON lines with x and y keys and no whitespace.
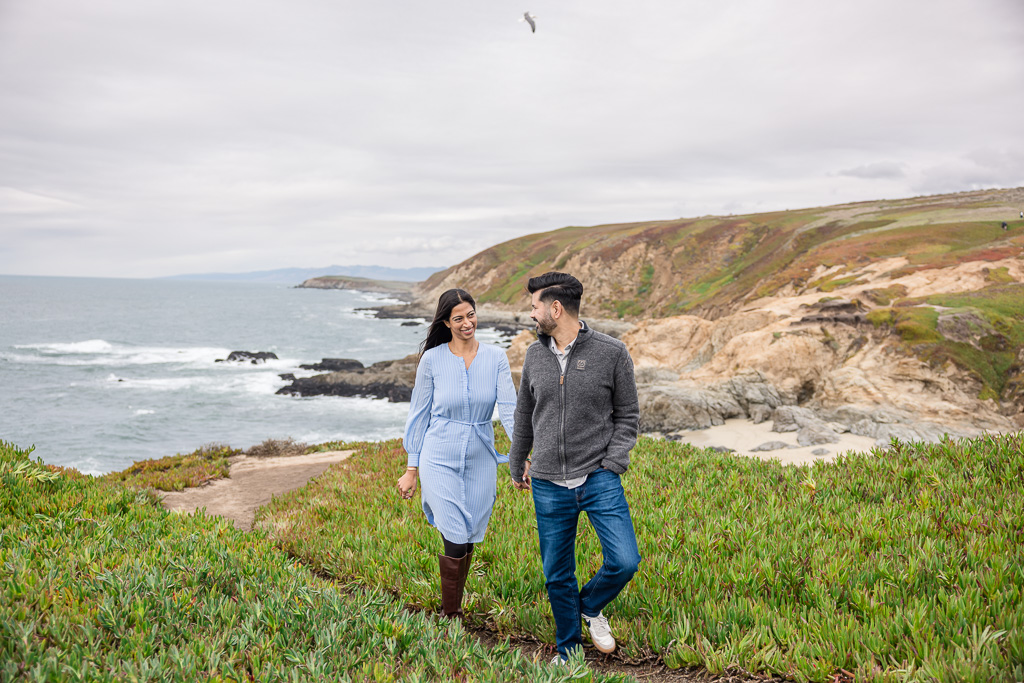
{"x":295,"y":276}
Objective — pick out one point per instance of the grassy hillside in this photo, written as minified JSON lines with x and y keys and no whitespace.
{"x":897,"y":568}
{"x":98,"y":583}
{"x":711,"y":265}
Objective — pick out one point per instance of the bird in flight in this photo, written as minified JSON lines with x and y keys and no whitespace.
{"x":529,"y":19}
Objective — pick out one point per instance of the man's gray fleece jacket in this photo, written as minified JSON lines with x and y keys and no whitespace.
{"x":579,"y":421}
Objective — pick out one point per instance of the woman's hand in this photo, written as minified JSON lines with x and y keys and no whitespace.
{"x":407,"y":483}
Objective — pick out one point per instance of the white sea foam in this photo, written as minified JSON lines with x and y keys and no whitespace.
{"x":89,"y":346}
{"x":383,"y":301}
{"x":102,"y":353}
{"x":143,"y":411}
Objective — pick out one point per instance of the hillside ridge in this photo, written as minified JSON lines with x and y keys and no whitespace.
{"x":710,"y":266}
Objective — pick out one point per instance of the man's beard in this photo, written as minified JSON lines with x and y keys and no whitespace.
{"x":546,"y":325}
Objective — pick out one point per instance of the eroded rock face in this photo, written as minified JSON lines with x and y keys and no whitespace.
{"x":818,"y":379}
{"x":819,"y":367}
{"x":669,"y":405}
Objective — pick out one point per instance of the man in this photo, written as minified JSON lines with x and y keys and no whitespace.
{"x":577,"y":409}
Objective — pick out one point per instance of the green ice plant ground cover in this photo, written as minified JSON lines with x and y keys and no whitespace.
{"x":904,"y":564}
{"x":98,"y":583}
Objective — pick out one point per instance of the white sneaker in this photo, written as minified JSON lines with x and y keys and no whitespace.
{"x":558,"y":661}
{"x":600,"y":633}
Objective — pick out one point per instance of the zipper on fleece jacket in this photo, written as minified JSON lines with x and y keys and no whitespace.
{"x":561,"y":399}
{"x":561,"y":403}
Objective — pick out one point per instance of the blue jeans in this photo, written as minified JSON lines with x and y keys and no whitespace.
{"x":558,"y":511}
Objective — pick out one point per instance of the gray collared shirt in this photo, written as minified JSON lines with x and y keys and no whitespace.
{"x":562,"y":356}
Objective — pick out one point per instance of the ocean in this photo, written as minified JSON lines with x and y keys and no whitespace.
{"x":100,"y":373}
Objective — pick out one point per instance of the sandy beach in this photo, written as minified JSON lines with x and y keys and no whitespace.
{"x":742,"y":435}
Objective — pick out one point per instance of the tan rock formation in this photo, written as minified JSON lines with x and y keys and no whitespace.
{"x":699,"y":372}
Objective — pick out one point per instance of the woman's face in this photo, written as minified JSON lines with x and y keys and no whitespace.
{"x":462,"y":322}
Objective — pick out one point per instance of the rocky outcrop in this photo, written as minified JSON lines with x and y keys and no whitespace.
{"x":334,"y":365}
{"x":667,"y":406}
{"x":399,"y":290}
{"x":253,"y":357}
{"x":392,"y":380}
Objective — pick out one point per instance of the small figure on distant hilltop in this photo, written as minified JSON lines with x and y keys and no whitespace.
{"x":579,"y":415}
{"x":450,"y":440}
{"x":1005,"y":226}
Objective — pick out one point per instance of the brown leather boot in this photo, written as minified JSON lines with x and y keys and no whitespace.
{"x":454,"y":571}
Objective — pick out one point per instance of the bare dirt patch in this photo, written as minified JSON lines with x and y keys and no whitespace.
{"x":252,"y":483}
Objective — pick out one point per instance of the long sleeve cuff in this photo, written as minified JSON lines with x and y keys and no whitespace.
{"x":413,"y":460}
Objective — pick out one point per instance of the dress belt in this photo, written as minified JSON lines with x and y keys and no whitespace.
{"x":500,"y":458}
{"x":460,"y":422}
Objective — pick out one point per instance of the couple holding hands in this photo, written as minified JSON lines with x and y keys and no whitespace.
{"x":577,"y":411}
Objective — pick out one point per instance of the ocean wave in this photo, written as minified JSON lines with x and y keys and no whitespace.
{"x":88,"y":346}
{"x":98,"y":352}
{"x":264,"y":383}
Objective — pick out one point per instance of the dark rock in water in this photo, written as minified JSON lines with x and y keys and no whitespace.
{"x":287,"y":377}
{"x":390,"y":379}
{"x":254,"y":357}
{"x":334,"y":365}
{"x":411,"y":323}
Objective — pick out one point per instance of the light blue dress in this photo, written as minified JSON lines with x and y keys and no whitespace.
{"x":450,"y":438}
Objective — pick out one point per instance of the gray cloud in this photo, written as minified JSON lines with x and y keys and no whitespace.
{"x":879,"y":169}
{"x":189,"y":136}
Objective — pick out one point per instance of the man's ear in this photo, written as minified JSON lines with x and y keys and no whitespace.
{"x":556,"y":309}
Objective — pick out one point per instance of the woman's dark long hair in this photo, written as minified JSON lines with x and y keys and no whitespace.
{"x":439,"y":333}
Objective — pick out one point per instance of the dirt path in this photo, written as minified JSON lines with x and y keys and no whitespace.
{"x":253,"y":482}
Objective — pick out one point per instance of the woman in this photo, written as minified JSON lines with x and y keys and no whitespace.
{"x":449,"y":438}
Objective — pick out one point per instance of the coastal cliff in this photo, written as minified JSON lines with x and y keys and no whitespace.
{"x":885,"y":319}
{"x":891,"y":318}
{"x":399,"y":290}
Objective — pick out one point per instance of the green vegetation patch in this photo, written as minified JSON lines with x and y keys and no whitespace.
{"x":999,"y":275}
{"x":883,"y":296}
{"x":830,"y":285}
{"x":177,"y":472}
{"x":989,"y":353}
{"x":97,"y":583}
{"x":1002,"y":306}
{"x":900,"y":565}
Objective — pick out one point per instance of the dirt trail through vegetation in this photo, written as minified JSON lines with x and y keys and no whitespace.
{"x":253,"y":482}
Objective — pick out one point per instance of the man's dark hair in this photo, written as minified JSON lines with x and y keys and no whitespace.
{"x":560,"y":287}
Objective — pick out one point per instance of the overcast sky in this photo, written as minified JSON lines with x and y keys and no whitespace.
{"x":145,"y":138}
